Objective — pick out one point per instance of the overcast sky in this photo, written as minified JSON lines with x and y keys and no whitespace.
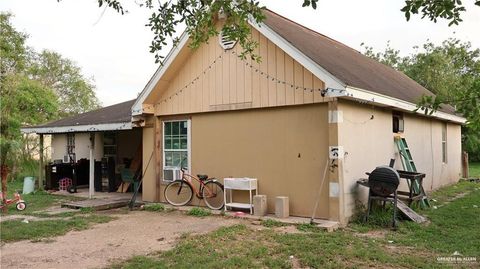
{"x":114,"y":49}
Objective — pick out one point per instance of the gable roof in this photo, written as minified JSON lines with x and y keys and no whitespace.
{"x":114,"y":117}
{"x":348,"y":65}
{"x":339,"y":66}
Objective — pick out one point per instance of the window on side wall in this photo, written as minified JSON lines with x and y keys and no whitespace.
{"x":110,"y":144}
{"x":176,"y":148}
{"x":70,"y":144}
{"x":444,"y":143}
{"x":398,"y":123}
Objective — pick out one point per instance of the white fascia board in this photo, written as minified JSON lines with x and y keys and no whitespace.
{"x":376,"y":98}
{"x":137,"y":108}
{"x":78,"y":128}
{"x":330,"y":80}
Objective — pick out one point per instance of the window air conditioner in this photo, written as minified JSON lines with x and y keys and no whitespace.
{"x":171,"y":174}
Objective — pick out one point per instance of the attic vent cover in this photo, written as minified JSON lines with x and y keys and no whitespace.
{"x":226,"y":42}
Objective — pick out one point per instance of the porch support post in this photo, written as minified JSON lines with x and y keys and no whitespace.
{"x":40,"y":168}
{"x":158,"y":156}
{"x":91,"y":183}
{"x":335,"y":174}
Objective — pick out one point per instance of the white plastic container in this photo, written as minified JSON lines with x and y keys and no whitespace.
{"x":28,"y":185}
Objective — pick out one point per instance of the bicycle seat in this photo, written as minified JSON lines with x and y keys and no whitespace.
{"x":202,"y":177}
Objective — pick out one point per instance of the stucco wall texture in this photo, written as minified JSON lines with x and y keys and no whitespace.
{"x":286,"y":148}
{"x":369,"y":143}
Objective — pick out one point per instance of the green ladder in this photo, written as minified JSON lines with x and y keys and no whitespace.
{"x":409,"y":165}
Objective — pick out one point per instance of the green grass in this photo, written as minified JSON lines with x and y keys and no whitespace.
{"x":154,"y":207}
{"x":474,"y":170}
{"x":15,"y":230}
{"x":454,"y":227}
{"x":36,"y":201}
{"x":199,"y":212}
{"x":271,"y":223}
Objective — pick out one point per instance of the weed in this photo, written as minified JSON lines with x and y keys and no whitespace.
{"x":154,"y":207}
{"x":15,"y":230}
{"x":309,"y":227}
{"x":199,"y":212}
{"x":87,"y":210}
{"x":271,"y":223}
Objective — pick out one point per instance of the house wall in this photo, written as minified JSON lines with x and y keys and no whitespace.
{"x":149,"y":185}
{"x":229,"y":83}
{"x":82,"y":146}
{"x":285,"y":148}
{"x":369,"y":143}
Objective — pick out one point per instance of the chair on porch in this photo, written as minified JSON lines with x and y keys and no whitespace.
{"x":128,"y":178}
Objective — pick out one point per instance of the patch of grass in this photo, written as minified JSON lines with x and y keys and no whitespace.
{"x":240,"y":247}
{"x":36,"y":201}
{"x":154,"y":207}
{"x":453,"y":227}
{"x":451,"y":192}
{"x":474,"y":169}
{"x":87,"y":210}
{"x":199,"y":212}
{"x":271,"y":223}
{"x":15,"y":230}
{"x":309,"y":228}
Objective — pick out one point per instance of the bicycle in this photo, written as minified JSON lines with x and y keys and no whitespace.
{"x":180,"y":192}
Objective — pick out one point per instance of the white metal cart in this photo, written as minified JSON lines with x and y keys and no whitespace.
{"x":242,"y":184}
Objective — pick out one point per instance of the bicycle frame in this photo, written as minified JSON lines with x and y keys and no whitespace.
{"x":187,"y":178}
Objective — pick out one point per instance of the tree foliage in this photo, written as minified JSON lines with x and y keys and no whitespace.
{"x":75,"y":92}
{"x":451,"y":71}
{"x":450,"y":10}
{"x":199,"y":19}
{"x":34,"y":88}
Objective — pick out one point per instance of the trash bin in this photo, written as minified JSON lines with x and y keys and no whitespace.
{"x":28,"y":185}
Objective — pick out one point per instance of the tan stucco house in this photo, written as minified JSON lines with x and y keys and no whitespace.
{"x":277,"y":120}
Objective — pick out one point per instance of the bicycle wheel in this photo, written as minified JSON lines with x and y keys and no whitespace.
{"x":178,"y":193}
{"x":213,"y":194}
{"x":21,"y":206}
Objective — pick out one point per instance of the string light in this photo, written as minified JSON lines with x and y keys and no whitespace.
{"x":249,"y":65}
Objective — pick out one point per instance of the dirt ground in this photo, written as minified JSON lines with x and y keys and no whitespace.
{"x":136,"y":233}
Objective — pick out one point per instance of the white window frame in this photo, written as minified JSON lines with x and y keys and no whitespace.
{"x":189,"y":149}
{"x":70,"y":150}
{"x":444,"y":143}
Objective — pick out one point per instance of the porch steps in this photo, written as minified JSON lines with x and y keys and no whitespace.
{"x":97,"y":204}
{"x":407,"y":211}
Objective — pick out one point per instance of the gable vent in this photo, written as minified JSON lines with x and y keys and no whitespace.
{"x":226,"y":42}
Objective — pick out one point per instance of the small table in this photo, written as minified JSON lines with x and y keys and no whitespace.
{"x":243,"y":184}
{"x":413,"y":179}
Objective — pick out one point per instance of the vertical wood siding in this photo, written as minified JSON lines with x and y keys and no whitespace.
{"x":212,"y":79}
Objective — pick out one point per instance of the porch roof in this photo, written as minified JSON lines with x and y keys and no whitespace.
{"x":110,"y":118}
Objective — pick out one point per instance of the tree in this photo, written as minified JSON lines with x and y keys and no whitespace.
{"x":32,"y":87}
{"x":433,"y":9}
{"x":451,"y":71}
{"x":75,"y":93}
{"x":199,"y":19}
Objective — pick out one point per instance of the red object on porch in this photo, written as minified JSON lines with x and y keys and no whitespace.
{"x":64,"y":183}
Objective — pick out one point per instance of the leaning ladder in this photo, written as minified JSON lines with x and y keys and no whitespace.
{"x":409,"y":165}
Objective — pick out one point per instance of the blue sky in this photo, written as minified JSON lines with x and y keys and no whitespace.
{"x":114,"y":49}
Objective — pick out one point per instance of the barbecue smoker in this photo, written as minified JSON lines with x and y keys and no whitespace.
{"x":382,"y":183}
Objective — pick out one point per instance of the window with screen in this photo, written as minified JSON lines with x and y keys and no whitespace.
{"x":176,"y":147}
